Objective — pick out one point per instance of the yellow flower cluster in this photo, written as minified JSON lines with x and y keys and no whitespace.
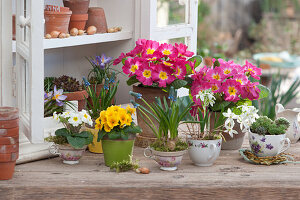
{"x":114,"y":116}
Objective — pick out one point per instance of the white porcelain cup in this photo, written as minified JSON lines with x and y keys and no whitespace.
{"x":268,"y":145}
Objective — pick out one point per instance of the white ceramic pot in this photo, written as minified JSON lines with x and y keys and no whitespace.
{"x":293,"y":132}
{"x":168,"y":161}
{"x":204,"y":152}
{"x":268,"y":145}
{"x":68,"y":154}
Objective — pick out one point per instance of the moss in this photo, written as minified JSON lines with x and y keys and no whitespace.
{"x":124,"y":166}
{"x":57,"y":139}
{"x":169,"y":146}
{"x":265,"y":126}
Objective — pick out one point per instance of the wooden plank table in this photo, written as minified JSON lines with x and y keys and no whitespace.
{"x":229,"y":178}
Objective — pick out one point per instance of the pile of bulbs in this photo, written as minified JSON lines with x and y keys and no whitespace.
{"x":91,"y":30}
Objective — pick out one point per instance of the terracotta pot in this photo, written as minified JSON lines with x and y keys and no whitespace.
{"x":9,"y":140}
{"x":79,"y":96}
{"x":97,"y":18}
{"x":8,"y":157}
{"x":231,"y":143}
{"x":7,"y":124}
{"x":7,"y":170}
{"x":57,"y":21}
{"x":8,"y":113}
{"x":12,"y":132}
{"x":77,"y":6}
{"x":78,"y":21}
{"x":149,"y":95}
{"x":56,"y":8}
{"x":10,"y":148}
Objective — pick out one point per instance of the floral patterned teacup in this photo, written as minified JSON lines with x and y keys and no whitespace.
{"x":268,"y":145}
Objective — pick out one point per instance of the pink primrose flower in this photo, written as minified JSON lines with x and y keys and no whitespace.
{"x":232,"y":90}
{"x":254,"y":71}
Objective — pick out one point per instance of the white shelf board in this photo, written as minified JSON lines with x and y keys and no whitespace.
{"x":83,"y":40}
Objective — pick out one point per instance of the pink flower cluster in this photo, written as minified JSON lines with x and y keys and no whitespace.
{"x":152,"y":62}
{"x":230,"y":80}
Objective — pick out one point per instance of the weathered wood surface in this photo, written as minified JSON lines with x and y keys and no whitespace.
{"x":229,"y":178}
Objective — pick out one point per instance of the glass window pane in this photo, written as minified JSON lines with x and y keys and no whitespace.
{"x":171,"y":12}
{"x":175,"y":40}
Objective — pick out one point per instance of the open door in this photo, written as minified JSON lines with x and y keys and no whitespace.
{"x":30,"y":67}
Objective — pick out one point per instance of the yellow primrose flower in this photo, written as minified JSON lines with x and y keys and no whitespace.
{"x":103,"y":117}
{"x":98,"y":126}
{"x":114,"y":109}
{"x":123,"y":117}
{"x":98,"y":121}
{"x":130,"y":110}
{"x":107,"y":128}
{"x":122,"y":126}
{"x":128,"y":120}
{"x":113,"y":121}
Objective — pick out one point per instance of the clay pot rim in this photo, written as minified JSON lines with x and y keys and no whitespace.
{"x":79,"y":17}
{"x":57,"y":13}
{"x":60,"y":7}
{"x":95,"y":10}
{"x":81,"y":93}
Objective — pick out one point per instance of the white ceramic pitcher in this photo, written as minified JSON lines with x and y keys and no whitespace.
{"x":293,"y":133}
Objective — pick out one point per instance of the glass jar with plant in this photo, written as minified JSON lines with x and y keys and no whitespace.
{"x":70,"y":142}
{"x":232,"y":85}
{"x":117,"y":132}
{"x":99,"y":102}
{"x":152,"y":68}
{"x":72,"y":89}
{"x":168,"y":149}
{"x":268,"y":137}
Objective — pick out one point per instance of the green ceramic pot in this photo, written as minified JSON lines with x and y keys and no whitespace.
{"x":117,"y":150}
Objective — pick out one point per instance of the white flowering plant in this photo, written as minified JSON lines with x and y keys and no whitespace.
{"x":71,"y":134}
{"x":207,"y":124}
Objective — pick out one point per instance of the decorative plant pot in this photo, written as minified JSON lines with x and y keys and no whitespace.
{"x":97,"y":18}
{"x":117,"y":150}
{"x":77,"y":6}
{"x":268,"y":145}
{"x":204,"y":152}
{"x":79,"y":96}
{"x":95,"y":146}
{"x":293,"y":132}
{"x":78,"y":21}
{"x":68,"y":154}
{"x":230,"y":143}
{"x":57,"y":21}
{"x":147,"y":136}
{"x":168,"y":161}
{"x":9,"y":141}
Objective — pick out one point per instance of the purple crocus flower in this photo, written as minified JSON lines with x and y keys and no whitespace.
{"x":47,"y":96}
{"x":104,"y":60}
{"x":58,"y":96}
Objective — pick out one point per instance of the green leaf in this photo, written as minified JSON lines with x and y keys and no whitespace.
{"x":124,"y":136}
{"x":132,"y":129}
{"x":216,"y":63}
{"x":132,"y":80}
{"x":84,"y":134}
{"x":220,"y":105}
{"x":264,"y":91}
{"x":101,"y":134}
{"x":198,"y":60}
{"x":76,"y":142}
{"x":178,"y":83}
{"x":62,"y":132}
{"x":114,"y":135}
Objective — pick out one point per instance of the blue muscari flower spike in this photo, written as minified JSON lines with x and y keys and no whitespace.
{"x":86,"y":83}
{"x":135,"y":105}
{"x":172,"y":94}
{"x":137,"y":95}
{"x":112,"y":77}
{"x":106,"y":87}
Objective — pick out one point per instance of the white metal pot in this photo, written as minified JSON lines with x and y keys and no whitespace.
{"x":204,"y":152}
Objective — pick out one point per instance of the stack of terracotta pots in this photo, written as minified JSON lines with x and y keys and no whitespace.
{"x":9,"y":141}
{"x":57,"y":19}
{"x":79,"y":10}
{"x":97,"y":18}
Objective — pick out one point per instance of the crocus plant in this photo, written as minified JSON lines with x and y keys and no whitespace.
{"x":53,"y":101}
{"x":158,"y":65}
{"x":71,"y":133}
{"x":101,"y":69}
